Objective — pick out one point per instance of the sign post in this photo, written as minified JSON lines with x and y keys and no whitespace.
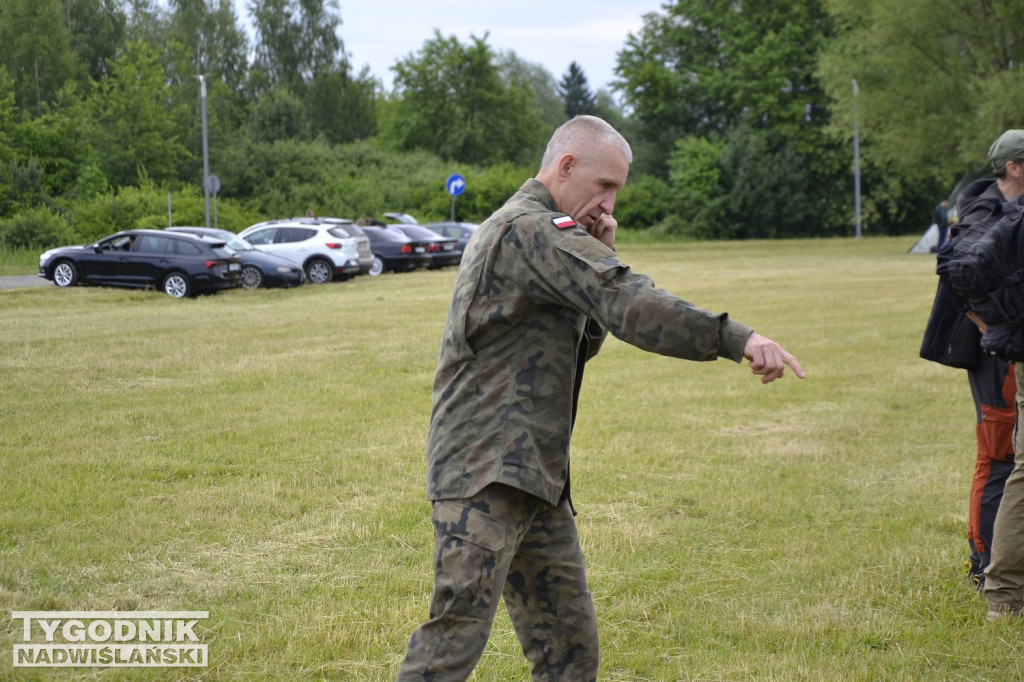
{"x":206,"y":147}
{"x":456,"y":185}
{"x":212,"y":186}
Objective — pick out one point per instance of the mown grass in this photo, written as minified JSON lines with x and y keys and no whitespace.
{"x":260,"y":455}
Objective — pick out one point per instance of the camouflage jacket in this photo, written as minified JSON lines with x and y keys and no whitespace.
{"x":527,"y":297}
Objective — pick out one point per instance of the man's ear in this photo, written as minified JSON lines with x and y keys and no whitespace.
{"x":565,"y":164}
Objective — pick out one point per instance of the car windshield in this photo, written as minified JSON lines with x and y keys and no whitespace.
{"x":403,"y":218}
{"x":121,"y":242}
{"x":223,"y":251}
{"x":341,"y":232}
{"x":419,"y":232}
{"x":390,"y":234}
{"x":238,"y":244}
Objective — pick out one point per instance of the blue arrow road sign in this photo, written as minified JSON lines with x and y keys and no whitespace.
{"x":456,"y":185}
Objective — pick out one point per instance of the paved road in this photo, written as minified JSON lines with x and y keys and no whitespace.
{"x":23,"y":281}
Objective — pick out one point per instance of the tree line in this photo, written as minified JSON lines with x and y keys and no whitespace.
{"x":740,"y":114}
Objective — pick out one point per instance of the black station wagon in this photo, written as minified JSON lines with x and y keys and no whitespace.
{"x":178,"y":264}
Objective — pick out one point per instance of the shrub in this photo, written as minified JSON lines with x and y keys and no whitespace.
{"x":35,"y":228}
{"x":641,"y":203}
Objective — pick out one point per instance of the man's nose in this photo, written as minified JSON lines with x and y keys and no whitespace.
{"x":608,"y":204}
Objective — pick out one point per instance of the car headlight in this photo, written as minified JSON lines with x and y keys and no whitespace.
{"x":284,"y":270}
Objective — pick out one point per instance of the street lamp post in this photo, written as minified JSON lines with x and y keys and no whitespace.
{"x":856,"y":161}
{"x":206,"y":149}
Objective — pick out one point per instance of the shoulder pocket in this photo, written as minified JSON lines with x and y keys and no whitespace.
{"x":591,"y":252}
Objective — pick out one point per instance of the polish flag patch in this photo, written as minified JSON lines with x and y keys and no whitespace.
{"x":563,"y":222}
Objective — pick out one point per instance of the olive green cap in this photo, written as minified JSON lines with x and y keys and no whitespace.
{"x":1009,"y":147}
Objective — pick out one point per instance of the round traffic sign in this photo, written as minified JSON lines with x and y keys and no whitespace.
{"x":456,"y":184}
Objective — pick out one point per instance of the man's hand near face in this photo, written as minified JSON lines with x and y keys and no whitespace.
{"x":603,"y":229}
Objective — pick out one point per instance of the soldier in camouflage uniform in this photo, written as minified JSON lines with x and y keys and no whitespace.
{"x":539,"y":287}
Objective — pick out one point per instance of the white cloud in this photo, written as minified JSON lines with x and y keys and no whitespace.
{"x":378,"y":33}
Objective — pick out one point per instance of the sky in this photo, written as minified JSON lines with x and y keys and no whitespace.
{"x":378,"y":33}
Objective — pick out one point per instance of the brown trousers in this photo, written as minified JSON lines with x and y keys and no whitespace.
{"x":1004,"y":579}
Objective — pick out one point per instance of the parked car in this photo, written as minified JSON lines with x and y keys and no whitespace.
{"x":259,"y":269}
{"x":355,"y":232}
{"x":401,"y":218}
{"x":325,"y":251}
{"x":178,"y":264}
{"x":454,"y":230}
{"x":393,"y":250}
{"x":443,"y":250}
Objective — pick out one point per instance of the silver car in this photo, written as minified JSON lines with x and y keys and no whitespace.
{"x":325,"y":248}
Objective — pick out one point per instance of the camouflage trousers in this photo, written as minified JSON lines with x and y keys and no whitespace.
{"x":503,"y":542}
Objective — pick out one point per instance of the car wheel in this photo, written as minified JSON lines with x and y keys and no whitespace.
{"x":65,"y":274}
{"x":319,"y":271}
{"x":377,"y":267}
{"x":176,"y":285}
{"x":252,"y":277}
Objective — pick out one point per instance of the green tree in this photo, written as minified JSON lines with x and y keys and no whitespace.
{"x":204,"y":37}
{"x":56,"y":142}
{"x":740,"y":76}
{"x":277,"y":115}
{"x":148,"y":21}
{"x":450,"y":99}
{"x":37,"y":50}
{"x":695,"y":175}
{"x":575,"y":92}
{"x":295,"y":40}
{"x":298,"y":46}
{"x":8,"y":115}
{"x":341,"y":108}
{"x":97,"y":30}
{"x":134,"y":125}
{"x":938,"y":80}
{"x":538,"y":82}
{"x":704,"y":66}
{"x":217,"y":44}
{"x":770,"y":197}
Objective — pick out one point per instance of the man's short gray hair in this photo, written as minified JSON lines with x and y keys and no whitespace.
{"x":580,"y":135}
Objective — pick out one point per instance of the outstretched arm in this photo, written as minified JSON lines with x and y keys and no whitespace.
{"x":768,"y":359}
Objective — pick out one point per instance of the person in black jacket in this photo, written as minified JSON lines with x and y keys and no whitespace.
{"x":1004,"y":583}
{"x":952,"y":338}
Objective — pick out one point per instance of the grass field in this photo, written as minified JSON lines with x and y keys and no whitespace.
{"x":260,"y":455}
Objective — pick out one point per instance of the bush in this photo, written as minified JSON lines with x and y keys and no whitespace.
{"x":641,"y":203}
{"x":487,"y":189}
{"x":125,"y":209}
{"x":146,"y":207}
{"x":36,"y":228}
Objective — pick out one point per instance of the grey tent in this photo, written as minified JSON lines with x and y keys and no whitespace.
{"x":929,"y":241}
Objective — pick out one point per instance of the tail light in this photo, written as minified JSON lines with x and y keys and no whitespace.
{"x":434,"y":248}
{"x":212,"y":263}
{"x":406,"y":248}
{"x":333,"y":245}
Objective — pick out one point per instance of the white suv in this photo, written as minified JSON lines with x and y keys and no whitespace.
{"x":323,"y":248}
